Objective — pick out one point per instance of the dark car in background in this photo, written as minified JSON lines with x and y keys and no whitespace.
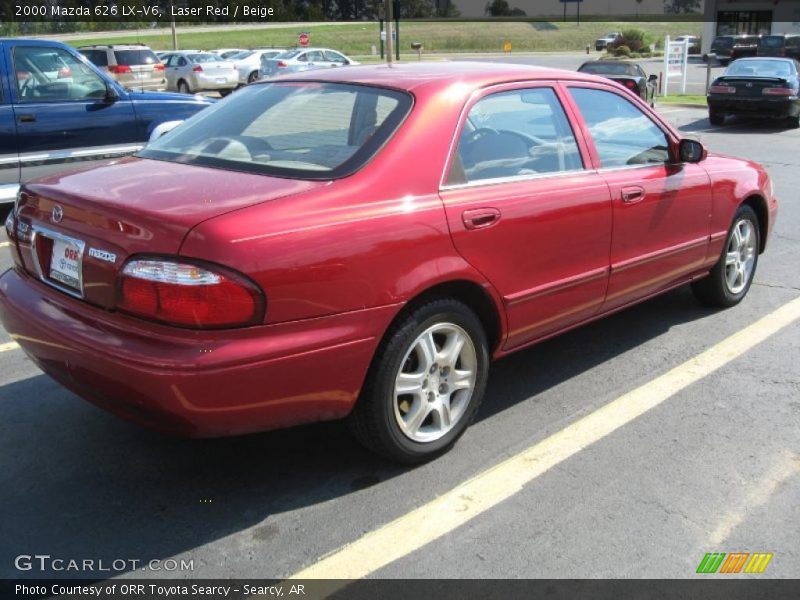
{"x":757,"y":86}
{"x":787,"y":45}
{"x":630,"y":75}
{"x":57,"y":109}
{"x":134,"y":66}
{"x":730,"y":47}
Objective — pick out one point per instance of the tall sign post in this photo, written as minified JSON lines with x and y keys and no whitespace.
{"x":676,"y":63}
{"x":389,"y":23}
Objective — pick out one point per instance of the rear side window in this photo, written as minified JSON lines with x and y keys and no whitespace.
{"x":98,"y":57}
{"x":623,"y":135}
{"x":513,"y":134}
{"x":772,"y":41}
{"x":135,"y":57}
{"x":300,"y":130}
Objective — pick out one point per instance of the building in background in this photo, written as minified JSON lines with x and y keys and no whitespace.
{"x":725,"y":17}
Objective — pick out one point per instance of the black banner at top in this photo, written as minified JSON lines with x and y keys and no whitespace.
{"x":156,"y":12}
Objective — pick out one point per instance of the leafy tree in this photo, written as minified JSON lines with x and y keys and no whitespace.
{"x":677,"y":7}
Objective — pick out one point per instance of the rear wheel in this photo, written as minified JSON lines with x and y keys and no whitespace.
{"x":252,"y":77}
{"x":730,"y":279}
{"x":183,"y":87}
{"x":425,"y":384}
{"x":794,"y":122}
{"x":716,"y":117}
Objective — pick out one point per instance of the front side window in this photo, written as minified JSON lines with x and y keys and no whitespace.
{"x":623,"y":135}
{"x":48,"y":74}
{"x":512,"y":134}
{"x":300,"y":130}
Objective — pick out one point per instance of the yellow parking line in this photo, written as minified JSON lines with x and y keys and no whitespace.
{"x":8,"y":346}
{"x":433,"y":520}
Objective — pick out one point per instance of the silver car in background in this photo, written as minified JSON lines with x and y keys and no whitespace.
{"x":248,"y":62}
{"x":303,"y":59}
{"x":227,"y":53}
{"x":191,"y":72}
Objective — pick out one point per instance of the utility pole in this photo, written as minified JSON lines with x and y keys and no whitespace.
{"x":389,"y":26}
{"x":172,"y":27}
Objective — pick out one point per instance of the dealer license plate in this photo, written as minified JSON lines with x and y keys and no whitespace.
{"x":65,"y":264}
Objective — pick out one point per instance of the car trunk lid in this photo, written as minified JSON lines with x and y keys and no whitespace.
{"x":80,"y":227}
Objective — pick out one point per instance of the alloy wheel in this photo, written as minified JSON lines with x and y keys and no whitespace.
{"x":740,"y":256}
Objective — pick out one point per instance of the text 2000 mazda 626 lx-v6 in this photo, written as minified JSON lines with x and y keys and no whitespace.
{"x":360,"y":243}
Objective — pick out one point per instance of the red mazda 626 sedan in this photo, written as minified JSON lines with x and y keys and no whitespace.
{"x":360,"y":243}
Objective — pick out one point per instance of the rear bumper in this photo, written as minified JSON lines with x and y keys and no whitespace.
{"x":199,"y":384}
{"x":226,"y":82}
{"x":774,"y":107}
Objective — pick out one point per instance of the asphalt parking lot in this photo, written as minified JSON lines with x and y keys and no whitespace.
{"x":712,"y":467}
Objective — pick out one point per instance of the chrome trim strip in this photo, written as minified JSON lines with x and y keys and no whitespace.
{"x":513,"y":179}
{"x":556,"y":286}
{"x":658,"y":254}
{"x":55,"y":235}
{"x":56,"y":155}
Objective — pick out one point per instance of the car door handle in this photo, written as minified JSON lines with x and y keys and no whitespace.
{"x":633,"y":194}
{"x":480,"y":218}
{"x":27,"y":118}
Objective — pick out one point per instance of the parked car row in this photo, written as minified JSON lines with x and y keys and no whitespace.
{"x":192,"y":71}
{"x":730,"y":47}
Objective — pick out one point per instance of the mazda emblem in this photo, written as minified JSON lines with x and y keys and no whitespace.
{"x":57,"y":214}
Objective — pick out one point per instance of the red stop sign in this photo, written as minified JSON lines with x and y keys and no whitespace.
{"x":302,"y":39}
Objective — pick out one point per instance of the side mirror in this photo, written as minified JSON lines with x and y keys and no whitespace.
{"x":691,"y":151}
{"x":653,"y":77}
{"x":162,"y":129}
{"x":111,"y":95}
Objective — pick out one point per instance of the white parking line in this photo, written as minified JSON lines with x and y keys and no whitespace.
{"x":4,"y":244}
{"x":441,"y":516}
{"x":8,"y":346}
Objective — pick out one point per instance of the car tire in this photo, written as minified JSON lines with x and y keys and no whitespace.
{"x":444,"y":392}
{"x":253,"y":77}
{"x":794,"y":122}
{"x":183,"y":87}
{"x":725,"y":285}
{"x":716,"y":118}
{"x":223,"y":93}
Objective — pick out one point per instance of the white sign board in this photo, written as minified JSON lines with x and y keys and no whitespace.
{"x":676,"y":63}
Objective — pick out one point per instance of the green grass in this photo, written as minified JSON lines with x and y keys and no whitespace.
{"x":357,"y":39}
{"x":686,"y":99}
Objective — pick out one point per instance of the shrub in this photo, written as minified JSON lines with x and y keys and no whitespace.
{"x":632,"y":38}
{"x":622,"y":51}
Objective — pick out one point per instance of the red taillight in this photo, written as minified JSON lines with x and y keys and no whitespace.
{"x":197,"y":69}
{"x":159,"y":67}
{"x":778,"y":91}
{"x":281,"y":65}
{"x":722,"y":89}
{"x":119,"y":69}
{"x":64,"y":73}
{"x":189,"y":295}
{"x":631,"y":85}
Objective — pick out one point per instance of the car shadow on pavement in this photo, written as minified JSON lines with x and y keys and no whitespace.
{"x":739,"y":125}
{"x":79,"y":483}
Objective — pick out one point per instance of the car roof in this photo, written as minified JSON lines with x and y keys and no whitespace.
{"x":117,"y":47}
{"x":416,"y":75}
{"x":763,"y":58}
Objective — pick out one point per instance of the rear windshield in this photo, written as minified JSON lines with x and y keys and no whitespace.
{"x":135,"y":57}
{"x":203,"y":58}
{"x":608,"y":69}
{"x":305,"y":130}
{"x":723,"y":42}
{"x":761,"y":68}
{"x":772,"y":41}
{"x":289,"y":54}
{"x":240,"y":55}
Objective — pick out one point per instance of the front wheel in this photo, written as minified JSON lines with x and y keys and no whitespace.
{"x":794,"y":122}
{"x":253,"y":77}
{"x":425,"y":384}
{"x":730,"y":279}
{"x":183,"y":87}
